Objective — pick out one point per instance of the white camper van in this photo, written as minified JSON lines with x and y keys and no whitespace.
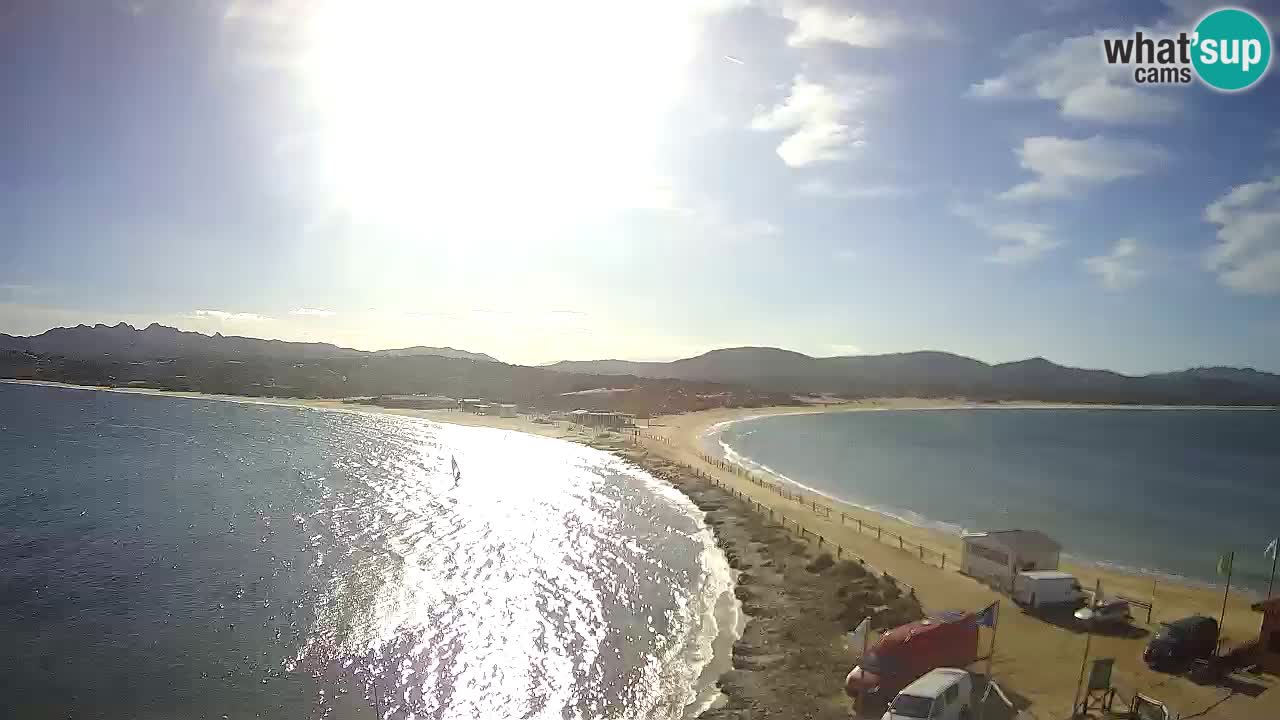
{"x":942,"y":694}
{"x":1041,"y":588}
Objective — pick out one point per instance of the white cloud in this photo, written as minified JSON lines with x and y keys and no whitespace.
{"x":816,"y":118}
{"x":227,"y":316}
{"x":816,"y":24}
{"x":1074,"y":74}
{"x":1186,"y":12}
{"x":824,"y":188}
{"x":1118,"y":269}
{"x":1247,"y":254}
{"x":312,"y":312}
{"x":1064,"y":165}
{"x":1024,"y":241}
{"x":1021,"y":241}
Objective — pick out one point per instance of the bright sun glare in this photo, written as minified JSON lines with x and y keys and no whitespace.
{"x":450,"y":113}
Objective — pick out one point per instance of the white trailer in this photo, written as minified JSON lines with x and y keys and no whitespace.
{"x":1040,"y":588}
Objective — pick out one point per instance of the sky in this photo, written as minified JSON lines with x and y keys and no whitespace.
{"x":590,"y":179}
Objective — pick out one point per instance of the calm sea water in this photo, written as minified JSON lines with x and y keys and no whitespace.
{"x":168,"y":558}
{"x":1163,"y":491}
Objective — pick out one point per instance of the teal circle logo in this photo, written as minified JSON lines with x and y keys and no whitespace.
{"x":1232,"y":49}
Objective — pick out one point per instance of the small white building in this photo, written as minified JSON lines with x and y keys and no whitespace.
{"x":996,"y":556}
{"x":507,"y":410}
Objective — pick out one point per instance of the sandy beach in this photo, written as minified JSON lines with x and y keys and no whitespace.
{"x":1036,"y":661}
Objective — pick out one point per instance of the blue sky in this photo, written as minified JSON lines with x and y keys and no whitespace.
{"x":574,"y":179}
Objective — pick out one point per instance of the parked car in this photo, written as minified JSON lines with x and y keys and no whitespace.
{"x":942,"y":694}
{"x":1180,"y":642}
{"x":907,"y":652}
{"x":1047,"y":588}
{"x":1105,"y":612}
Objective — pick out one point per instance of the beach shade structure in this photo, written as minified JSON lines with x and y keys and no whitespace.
{"x":996,"y":556}
{"x":907,"y":652}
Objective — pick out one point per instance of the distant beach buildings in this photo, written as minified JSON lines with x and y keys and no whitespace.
{"x":603,"y":420}
{"x":996,"y":556}
{"x":417,"y":402}
{"x":480,"y":406}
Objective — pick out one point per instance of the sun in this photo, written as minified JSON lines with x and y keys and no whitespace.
{"x":458,"y":114}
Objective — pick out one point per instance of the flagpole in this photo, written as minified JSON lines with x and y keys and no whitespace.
{"x":1275,"y":550}
{"x":1088,"y":640}
{"x":991,"y":654}
{"x":866,"y":637}
{"x":1231,"y":563}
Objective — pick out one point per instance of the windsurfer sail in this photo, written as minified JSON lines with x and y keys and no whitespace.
{"x":457,"y":472}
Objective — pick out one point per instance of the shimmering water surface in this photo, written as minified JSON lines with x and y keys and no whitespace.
{"x":169,"y":558}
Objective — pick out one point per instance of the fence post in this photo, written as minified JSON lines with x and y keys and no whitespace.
{"x":921,"y":552}
{"x":900,"y":547}
{"x":944,"y":562}
{"x":879,"y":533}
{"x":859,"y":526}
{"x":839,"y":552}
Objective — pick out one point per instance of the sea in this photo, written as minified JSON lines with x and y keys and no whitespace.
{"x":163,"y":557}
{"x":1159,"y":491}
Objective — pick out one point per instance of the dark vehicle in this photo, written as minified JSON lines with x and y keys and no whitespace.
{"x":1180,"y":642}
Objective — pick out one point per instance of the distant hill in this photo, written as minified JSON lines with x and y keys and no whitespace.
{"x":98,"y":353}
{"x":372,"y":375}
{"x":123,"y":341}
{"x":942,"y":374}
{"x":436,"y":351}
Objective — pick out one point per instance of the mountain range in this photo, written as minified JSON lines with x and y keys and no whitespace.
{"x":760,"y":369}
{"x":123,"y":341}
{"x":937,"y":374}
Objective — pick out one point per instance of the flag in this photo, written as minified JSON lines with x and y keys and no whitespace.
{"x":988,"y":615}
{"x":1271,"y":549}
{"x":1224,"y":564}
{"x":858,"y":639}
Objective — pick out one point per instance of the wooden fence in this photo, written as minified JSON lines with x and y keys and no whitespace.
{"x":792,"y":524}
{"x":923,"y":553}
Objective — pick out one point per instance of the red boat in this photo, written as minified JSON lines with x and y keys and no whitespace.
{"x":909,"y":651}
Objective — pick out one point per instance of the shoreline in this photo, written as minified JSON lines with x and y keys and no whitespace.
{"x":797,"y":604}
{"x":1037,"y":660}
{"x":702,"y":424}
{"x":950,"y":530}
{"x":731,"y":621}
